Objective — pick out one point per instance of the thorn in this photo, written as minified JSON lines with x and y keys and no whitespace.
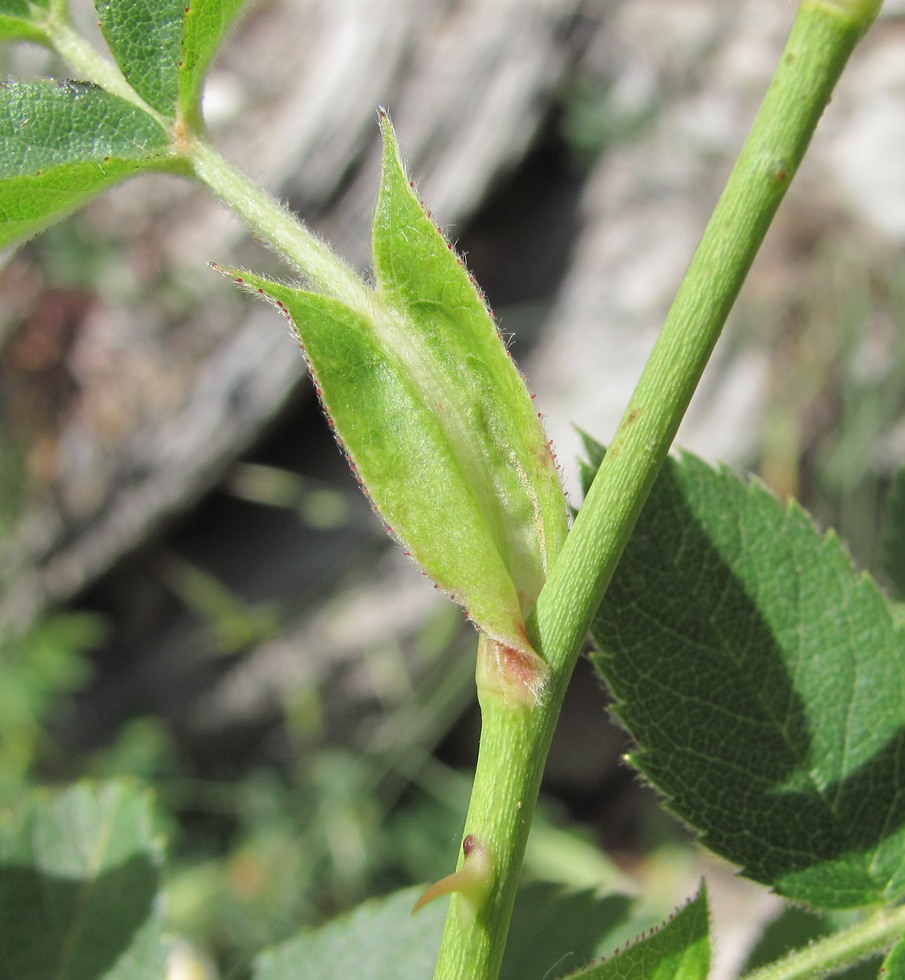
{"x":472,"y":882}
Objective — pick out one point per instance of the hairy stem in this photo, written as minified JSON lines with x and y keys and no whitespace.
{"x":514,"y":742}
{"x":840,"y":950}
{"x":277,"y":226}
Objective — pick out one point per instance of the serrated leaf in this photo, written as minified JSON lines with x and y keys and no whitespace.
{"x":79,"y":876}
{"x":380,"y":940}
{"x":434,"y":415}
{"x":145,"y":40}
{"x":894,"y":534}
{"x":204,"y":28}
{"x":62,"y":143}
{"x":764,"y":681}
{"x":679,"y":950}
{"x":21,"y":20}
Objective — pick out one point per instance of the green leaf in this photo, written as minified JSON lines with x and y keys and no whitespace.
{"x":894,"y":534}
{"x":434,"y":416}
{"x":470,"y":379}
{"x":590,"y":463}
{"x":894,"y":965}
{"x":204,"y":28}
{"x":679,"y":950}
{"x":403,"y":458}
{"x":146,"y":42}
{"x":62,"y":143}
{"x":380,"y":940}
{"x":555,"y":929}
{"x":21,"y":20}
{"x":165,"y":48}
{"x":79,"y":876}
{"x":763,"y":679}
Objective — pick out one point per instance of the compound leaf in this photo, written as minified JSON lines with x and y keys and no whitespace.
{"x":764,"y":681}
{"x":63,"y":142}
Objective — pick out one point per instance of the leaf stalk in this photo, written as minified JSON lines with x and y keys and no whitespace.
{"x":842,"y":949}
{"x":278,"y":227}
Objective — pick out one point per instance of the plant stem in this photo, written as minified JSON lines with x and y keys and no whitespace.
{"x":513,"y":750}
{"x":822,"y":38}
{"x":514,"y":743}
{"x":842,"y":949}
{"x":277,"y":226}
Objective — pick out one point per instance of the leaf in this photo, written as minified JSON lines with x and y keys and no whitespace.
{"x":894,"y":965}
{"x":204,"y":28}
{"x":79,"y":877}
{"x":434,"y":416}
{"x":403,"y":457}
{"x":590,"y":463}
{"x":165,"y":48}
{"x":62,"y":143}
{"x":679,"y":950}
{"x":145,"y":40}
{"x":555,"y":929}
{"x":762,"y":678}
{"x":20,"y":20}
{"x":894,"y":534}
{"x":481,"y":399}
{"x":380,"y":940}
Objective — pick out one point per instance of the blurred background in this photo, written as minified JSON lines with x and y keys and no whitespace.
{"x":193,"y":591}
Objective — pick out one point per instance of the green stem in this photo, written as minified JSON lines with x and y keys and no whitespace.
{"x":842,"y":949}
{"x":514,"y":742}
{"x":276,"y":225}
